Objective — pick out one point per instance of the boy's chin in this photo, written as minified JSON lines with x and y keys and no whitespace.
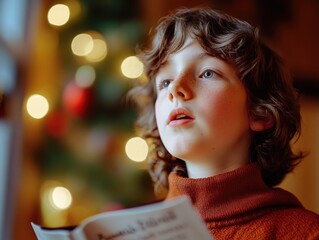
{"x":180,"y":155}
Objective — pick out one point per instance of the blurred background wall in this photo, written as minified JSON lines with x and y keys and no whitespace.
{"x":65,"y":132}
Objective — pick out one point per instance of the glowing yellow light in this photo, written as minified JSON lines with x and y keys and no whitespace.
{"x":37,"y":106}
{"x":82,"y":44}
{"x":132,"y":67}
{"x":61,"y":198}
{"x":136,"y":149}
{"x":99,"y":51}
{"x":85,"y":76}
{"x":59,"y":15}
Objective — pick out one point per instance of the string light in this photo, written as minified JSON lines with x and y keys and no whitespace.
{"x":55,"y":201}
{"x":98,"y":52}
{"x":90,"y":45}
{"x":58,"y":15}
{"x":136,"y":149}
{"x":85,"y":76}
{"x":132,"y":67}
{"x":61,"y":198}
{"x":82,"y":44}
{"x":37,"y":106}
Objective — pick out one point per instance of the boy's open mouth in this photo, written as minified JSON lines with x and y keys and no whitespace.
{"x":180,"y":115}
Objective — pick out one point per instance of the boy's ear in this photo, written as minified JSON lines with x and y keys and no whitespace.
{"x":261,"y":124}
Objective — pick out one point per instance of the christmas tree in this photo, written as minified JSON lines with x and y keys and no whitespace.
{"x":86,"y":156}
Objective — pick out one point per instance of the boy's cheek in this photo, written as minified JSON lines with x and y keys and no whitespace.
{"x":159,"y":116}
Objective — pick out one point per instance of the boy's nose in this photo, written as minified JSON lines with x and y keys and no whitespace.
{"x":179,"y":89}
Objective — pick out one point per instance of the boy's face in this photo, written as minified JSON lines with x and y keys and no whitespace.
{"x":201,"y":108}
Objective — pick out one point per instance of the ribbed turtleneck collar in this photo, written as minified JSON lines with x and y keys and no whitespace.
{"x":231,"y":195}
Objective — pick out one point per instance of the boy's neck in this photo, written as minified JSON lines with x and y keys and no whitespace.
{"x":200,"y":170}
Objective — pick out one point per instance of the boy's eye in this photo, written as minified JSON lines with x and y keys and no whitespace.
{"x":208,"y":74}
{"x":164,"y":84}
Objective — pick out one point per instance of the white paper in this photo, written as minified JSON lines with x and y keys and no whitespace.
{"x":171,"y":220}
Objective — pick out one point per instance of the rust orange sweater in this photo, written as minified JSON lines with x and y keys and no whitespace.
{"x":238,"y":205}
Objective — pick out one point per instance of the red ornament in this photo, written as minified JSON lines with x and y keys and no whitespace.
{"x":56,"y":123}
{"x":77,"y":100}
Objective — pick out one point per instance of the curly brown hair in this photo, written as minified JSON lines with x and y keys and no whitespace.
{"x":269,"y":89}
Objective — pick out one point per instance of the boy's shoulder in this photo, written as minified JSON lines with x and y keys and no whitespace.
{"x":297,"y":221}
{"x":299,"y":213}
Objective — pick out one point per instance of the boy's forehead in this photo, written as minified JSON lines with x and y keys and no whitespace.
{"x":188,"y":42}
{"x":191,"y":47}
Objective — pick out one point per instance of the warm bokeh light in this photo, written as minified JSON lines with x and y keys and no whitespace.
{"x":136,"y":149}
{"x":85,"y":76}
{"x":51,"y":215}
{"x":132,"y":67}
{"x":59,"y":15}
{"x":61,"y":198}
{"x":82,"y":44}
{"x":90,"y":45}
{"x":98,"y":52}
{"x":37,"y":106}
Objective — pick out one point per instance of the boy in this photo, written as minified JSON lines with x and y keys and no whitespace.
{"x":220,"y":113}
